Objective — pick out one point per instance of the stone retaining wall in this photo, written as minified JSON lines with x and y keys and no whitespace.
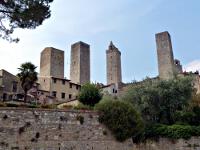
{"x":42,"y":129}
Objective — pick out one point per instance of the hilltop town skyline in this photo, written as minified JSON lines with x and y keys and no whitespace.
{"x":131,"y":30}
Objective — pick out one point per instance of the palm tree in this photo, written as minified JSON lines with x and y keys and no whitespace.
{"x":27,"y":76}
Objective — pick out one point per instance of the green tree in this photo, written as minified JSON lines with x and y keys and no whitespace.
{"x":89,"y":94}
{"x":27,"y":76}
{"x":158,"y":101}
{"x":120,"y":118}
{"x":25,"y":14}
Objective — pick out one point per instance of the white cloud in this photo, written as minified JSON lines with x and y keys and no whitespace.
{"x":193,"y":66}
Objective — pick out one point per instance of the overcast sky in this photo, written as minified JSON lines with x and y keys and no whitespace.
{"x":130,"y":24}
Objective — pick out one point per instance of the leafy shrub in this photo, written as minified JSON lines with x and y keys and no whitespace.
{"x":12,"y":105}
{"x":120,"y":118}
{"x":32,"y":106}
{"x":81,"y":106}
{"x":50,"y":106}
{"x":154,"y":131}
{"x":178,"y":131}
{"x":2,"y":104}
{"x":89,"y":94}
{"x":190,"y":117}
{"x":158,"y":100}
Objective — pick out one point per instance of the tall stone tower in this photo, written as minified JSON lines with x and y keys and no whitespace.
{"x":80,"y":63}
{"x":52,"y":63}
{"x":166,"y":65}
{"x":113,"y":63}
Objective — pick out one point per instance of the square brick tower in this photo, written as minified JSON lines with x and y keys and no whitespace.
{"x":113,"y":63}
{"x":80,"y":63}
{"x":52,"y":63}
{"x":166,"y":61}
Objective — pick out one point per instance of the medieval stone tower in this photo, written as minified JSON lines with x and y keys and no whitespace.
{"x":166,"y":61}
{"x":80,"y":63}
{"x":52,"y":63}
{"x":113,"y":63}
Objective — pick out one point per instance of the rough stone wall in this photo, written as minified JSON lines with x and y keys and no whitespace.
{"x":166,"y":144}
{"x":7,"y":83}
{"x":52,"y":63}
{"x":165,"y":55}
{"x":113,"y":65}
{"x":196,"y":82}
{"x":80,"y":63}
{"x":30,"y":129}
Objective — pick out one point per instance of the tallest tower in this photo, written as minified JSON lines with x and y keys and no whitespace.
{"x":113,"y":58}
{"x":165,"y":56}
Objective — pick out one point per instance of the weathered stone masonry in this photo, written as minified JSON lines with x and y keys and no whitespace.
{"x":34,"y":129}
{"x":42,"y":129}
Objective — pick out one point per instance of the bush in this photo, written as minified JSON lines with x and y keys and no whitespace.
{"x":190,"y":117}
{"x":50,"y":106}
{"x":81,"y":106}
{"x":120,"y":118}
{"x":158,"y":100}
{"x":89,"y":94}
{"x":2,"y":104}
{"x":12,"y":105}
{"x":176,"y":131}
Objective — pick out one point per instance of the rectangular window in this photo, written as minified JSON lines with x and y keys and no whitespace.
{"x":54,"y":93}
{"x":54,"y":80}
{"x":77,"y":87}
{"x":14,"y":89}
{"x":70,"y":96}
{"x":70,"y":85}
{"x":63,"y":95}
{"x":63,"y":82}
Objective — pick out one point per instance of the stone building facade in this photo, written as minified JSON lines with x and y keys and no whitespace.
{"x":80,"y":63}
{"x":51,"y":78}
{"x":52,"y":63}
{"x":62,"y":89}
{"x":9,"y":86}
